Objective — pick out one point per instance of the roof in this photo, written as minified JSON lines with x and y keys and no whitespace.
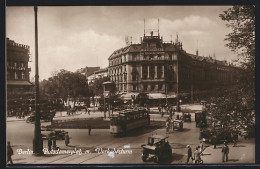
{"x":159,"y":136}
{"x":128,"y":96}
{"x":101,"y":70}
{"x":19,"y":82}
{"x":149,"y":147}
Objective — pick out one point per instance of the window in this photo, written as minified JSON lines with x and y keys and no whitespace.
{"x":134,"y":76}
{"x":159,"y":87}
{"x":152,"y":87}
{"x":170,"y":56}
{"x":152,"y":72}
{"x":134,"y":87}
{"x":159,"y":72}
{"x":15,"y":75}
{"x":145,"y":87}
{"x":134,"y":57}
{"x":15,"y":64}
{"x":23,"y":75}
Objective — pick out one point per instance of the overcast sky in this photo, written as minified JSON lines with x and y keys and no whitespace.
{"x":75,"y":37}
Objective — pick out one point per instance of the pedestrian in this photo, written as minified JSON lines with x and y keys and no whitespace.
{"x":201,"y":146}
{"x":49,"y":144}
{"x":9,"y":153}
{"x":89,"y":129}
{"x":88,"y":111}
{"x":177,"y":117}
{"x":67,"y":139}
{"x":225,"y":151}
{"x":235,"y":139}
{"x":160,"y":109}
{"x":197,"y":156}
{"x":189,"y":154}
{"x":54,"y":145}
{"x":167,"y":126}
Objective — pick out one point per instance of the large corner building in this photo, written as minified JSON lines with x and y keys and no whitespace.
{"x":154,"y":66}
{"x":18,"y":71}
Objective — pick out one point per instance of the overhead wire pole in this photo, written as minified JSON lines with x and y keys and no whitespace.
{"x":37,"y":141}
{"x":178,"y":106}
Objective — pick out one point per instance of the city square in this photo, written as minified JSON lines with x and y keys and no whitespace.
{"x":170,"y":93}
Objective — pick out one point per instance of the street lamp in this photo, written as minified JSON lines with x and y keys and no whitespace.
{"x":107,"y":93}
{"x":37,"y":141}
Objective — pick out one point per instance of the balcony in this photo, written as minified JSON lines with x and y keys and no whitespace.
{"x":15,"y":68}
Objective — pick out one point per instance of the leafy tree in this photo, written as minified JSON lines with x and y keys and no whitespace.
{"x":235,"y":106}
{"x":64,"y":84}
{"x":241,"y":20}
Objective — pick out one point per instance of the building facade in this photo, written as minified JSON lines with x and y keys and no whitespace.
{"x":17,"y":70}
{"x":154,"y":66}
{"x":98,"y":74}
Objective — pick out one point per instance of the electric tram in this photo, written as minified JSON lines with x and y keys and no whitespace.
{"x":128,"y":119}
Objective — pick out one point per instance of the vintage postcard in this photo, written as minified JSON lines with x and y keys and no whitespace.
{"x":130,"y":85}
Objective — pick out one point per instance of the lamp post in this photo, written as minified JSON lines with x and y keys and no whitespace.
{"x":37,"y":141}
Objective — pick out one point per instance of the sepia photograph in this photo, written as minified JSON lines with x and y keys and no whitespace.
{"x":130,"y":85}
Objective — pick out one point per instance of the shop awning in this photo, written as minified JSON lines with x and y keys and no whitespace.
{"x":128,"y":96}
{"x":19,"y":82}
{"x":160,"y":96}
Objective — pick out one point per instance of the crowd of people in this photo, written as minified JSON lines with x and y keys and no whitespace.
{"x":196,"y":157}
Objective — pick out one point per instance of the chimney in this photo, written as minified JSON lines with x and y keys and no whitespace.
{"x":141,"y":39}
{"x":197,"y":52}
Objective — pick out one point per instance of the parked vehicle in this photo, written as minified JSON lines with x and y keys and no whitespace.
{"x":45,"y":115}
{"x":58,"y":134}
{"x":216,"y":136}
{"x":187,"y":117}
{"x":157,"y":149}
{"x":201,"y":119}
{"x":177,"y":124}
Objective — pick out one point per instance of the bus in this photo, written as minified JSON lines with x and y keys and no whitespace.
{"x":127,"y":120}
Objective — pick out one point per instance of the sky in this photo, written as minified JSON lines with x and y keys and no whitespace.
{"x":74,"y":37}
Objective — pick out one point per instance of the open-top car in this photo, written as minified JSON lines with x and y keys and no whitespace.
{"x":157,"y":148}
{"x":177,"y":124}
{"x":187,"y":117}
{"x":58,"y":134}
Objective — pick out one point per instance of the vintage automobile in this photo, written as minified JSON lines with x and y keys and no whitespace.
{"x":187,"y":117}
{"x":46,"y":115}
{"x":58,"y":134}
{"x":201,"y":119}
{"x":216,"y":136}
{"x":157,"y":149}
{"x":177,"y":124}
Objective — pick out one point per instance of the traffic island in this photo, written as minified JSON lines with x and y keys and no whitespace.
{"x":95,"y":123}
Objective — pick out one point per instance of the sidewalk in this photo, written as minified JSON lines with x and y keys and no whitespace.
{"x":244,"y":152}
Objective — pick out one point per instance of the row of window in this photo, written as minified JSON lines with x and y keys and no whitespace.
{"x":135,"y":57}
{"x":145,"y":87}
{"x":116,"y":70}
{"x":118,"y":78}
{"x":16,"y":75}
{"x":15,"y":64}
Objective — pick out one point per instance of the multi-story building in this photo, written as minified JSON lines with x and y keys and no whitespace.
{"x":87,"y":71}
{"x":17,"y":70}
{"x":154,"y":66}
{"x":98,"y":74}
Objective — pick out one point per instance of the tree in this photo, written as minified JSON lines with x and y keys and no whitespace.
{"x":235,"y":106}
{"x":64,"y":84}
{"x":241,"y":20}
